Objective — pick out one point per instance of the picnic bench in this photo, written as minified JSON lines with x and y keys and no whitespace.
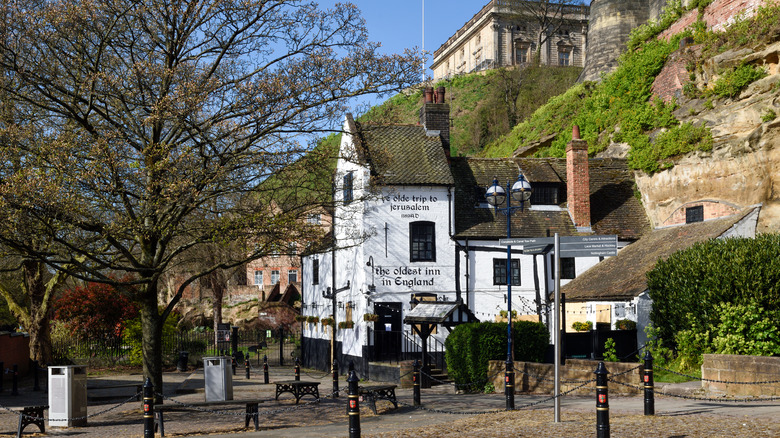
{"x":31,"y":415}
{"x":373,"y":393}
{"x":298,"y":388}
{"x":138,"y":388}
{"x":251,"y":410}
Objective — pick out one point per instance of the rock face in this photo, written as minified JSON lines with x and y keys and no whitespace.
{"x":744,"y":166}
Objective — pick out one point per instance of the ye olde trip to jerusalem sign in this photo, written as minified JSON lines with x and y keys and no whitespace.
{"x":408,"y":277}
{"x":408,"y":206}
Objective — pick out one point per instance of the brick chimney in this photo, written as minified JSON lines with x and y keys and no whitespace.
{"x":435,"y":116}
{"x":578,"y":181}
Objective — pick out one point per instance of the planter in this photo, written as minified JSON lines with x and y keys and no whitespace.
{"x":370,"y":317}
{"x":346,"y":324}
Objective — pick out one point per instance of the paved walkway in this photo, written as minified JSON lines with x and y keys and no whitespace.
{"x":442,"y":410}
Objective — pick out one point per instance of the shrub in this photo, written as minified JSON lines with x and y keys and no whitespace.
{"x":95,"y":310}
{"x":733,"y":81}
{"x":582,"y":326}
{"x":610,"y":351}
{"x":625,"y":324}
{"x":688,"y":288}
{"x":768,"y":116}
{"x":133,"y":336}
{"x":470,"y":347}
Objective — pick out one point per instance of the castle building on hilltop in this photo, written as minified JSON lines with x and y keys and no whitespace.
{"x":502,"y":34}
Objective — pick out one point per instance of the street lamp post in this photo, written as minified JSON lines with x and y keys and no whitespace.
{"x":495,"y":195}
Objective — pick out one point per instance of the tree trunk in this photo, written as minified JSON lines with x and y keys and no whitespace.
{"x":152,"y":337}
{"x":218,"y":292}
{"x":36,"y":321}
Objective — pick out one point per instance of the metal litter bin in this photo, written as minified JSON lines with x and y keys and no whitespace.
{"x":68,"y":396}
{"x":218,"y":378}
{"x":183,"y":359}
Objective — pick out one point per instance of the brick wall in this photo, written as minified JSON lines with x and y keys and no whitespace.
{"x":669,"y":82}
{"x":712,"y":210}
{"x":733,"y":368}
{"x":718,"y":15}
{"x":534,"y":377}
{"x":578,"y":182}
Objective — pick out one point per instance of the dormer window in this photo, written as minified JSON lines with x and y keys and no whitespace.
{"x":546,"y":194}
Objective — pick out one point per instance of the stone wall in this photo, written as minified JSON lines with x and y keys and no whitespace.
{"x":732,"y":368}
{"x":531,"y":377}
{"x":718,"y":15}
{"x":611,"y":22}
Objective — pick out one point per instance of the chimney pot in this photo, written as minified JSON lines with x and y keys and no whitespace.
{"x":575,"y":132}
{"x":428,"y":94}
{"x":440,"y":95}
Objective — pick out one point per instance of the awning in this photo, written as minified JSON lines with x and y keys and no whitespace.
{"x":447,"y":313}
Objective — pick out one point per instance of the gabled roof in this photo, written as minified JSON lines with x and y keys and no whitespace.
{"x":624,"y":277}
{"x":404,"y":155}
{"x":614,"y":208}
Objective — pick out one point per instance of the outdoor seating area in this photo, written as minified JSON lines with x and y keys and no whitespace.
{"x":298,"y":388}
{"x":373,"y":393}
{"x":251,"y":411}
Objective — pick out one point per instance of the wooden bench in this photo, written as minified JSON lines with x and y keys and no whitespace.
{"x":298,"y":388}
{"x":31,"y":415}
{"x":251,"y":410}
{"x":373,"y":393}
{"x":138,"y":388}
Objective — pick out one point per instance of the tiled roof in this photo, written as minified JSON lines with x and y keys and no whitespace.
{"x":405,"y":155}
{"x":614,"y":209}
{"x":624,"y":277}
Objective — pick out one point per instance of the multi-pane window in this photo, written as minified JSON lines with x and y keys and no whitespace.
{"x":422,"y":242}
{"x":567,"y":268}
{"x":694,"y":214}
{"x":521,"y":53}
{"x":259,"y":277}
{"x":545,"y":194}
{"x":274,"y":276}
{"x":499,"y":272}
{"x":348,"y":187}
{"x":563,"y":55}
{"x":315,"y":271}
{"x":292,"y":276}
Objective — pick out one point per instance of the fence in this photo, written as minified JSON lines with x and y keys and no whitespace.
{"x":279,"y":346}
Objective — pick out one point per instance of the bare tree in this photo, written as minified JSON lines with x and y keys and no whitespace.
{"x":155,"y":118}
{"x":548,"y":15}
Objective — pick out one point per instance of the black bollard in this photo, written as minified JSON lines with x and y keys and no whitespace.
{"x":148,"y":409}
{"x":246,"y":365}
{"x":15,"y":380}
{"x":602,"y":402}
{"x":233,"y":364}
{"x":297,"y":369}
{"x":416,"y":382}
{"x":335,"y":379}
{"x":648,"y":383}
{"x":509,"y":386}
{"x":265,"y":369}
{"x":36,"y":383}
{"x":353,"y":407}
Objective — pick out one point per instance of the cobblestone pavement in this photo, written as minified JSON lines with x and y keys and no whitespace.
{"x":675,"y":417}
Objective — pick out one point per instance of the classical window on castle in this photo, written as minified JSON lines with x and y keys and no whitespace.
{"x":694,"y":214}
{"x":292,"y":276}
{"x":259,"y":278}
{"x":315,"y":271}
{"x":422,"y":242}
{"x":567,"y":268}
{"x":348,"y":182}
{"x":499,"y":272}
{"x":564,"y":54}
{"x":479,"y":39}
{"x":274,"y":276}
{"x":521,"y":53}
{"x":545,"y":194}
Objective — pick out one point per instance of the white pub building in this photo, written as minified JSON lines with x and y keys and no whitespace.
{"x":411,"y":225}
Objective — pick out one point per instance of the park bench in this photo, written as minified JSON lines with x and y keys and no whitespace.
{"x":298,"y":388}
{"x":31,"y":415}
{"x":138,"y":388}
{"x":373,"y":393}
{"x":251,"y":410}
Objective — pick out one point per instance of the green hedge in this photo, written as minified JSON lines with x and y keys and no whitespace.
{"x":470,"y":347}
